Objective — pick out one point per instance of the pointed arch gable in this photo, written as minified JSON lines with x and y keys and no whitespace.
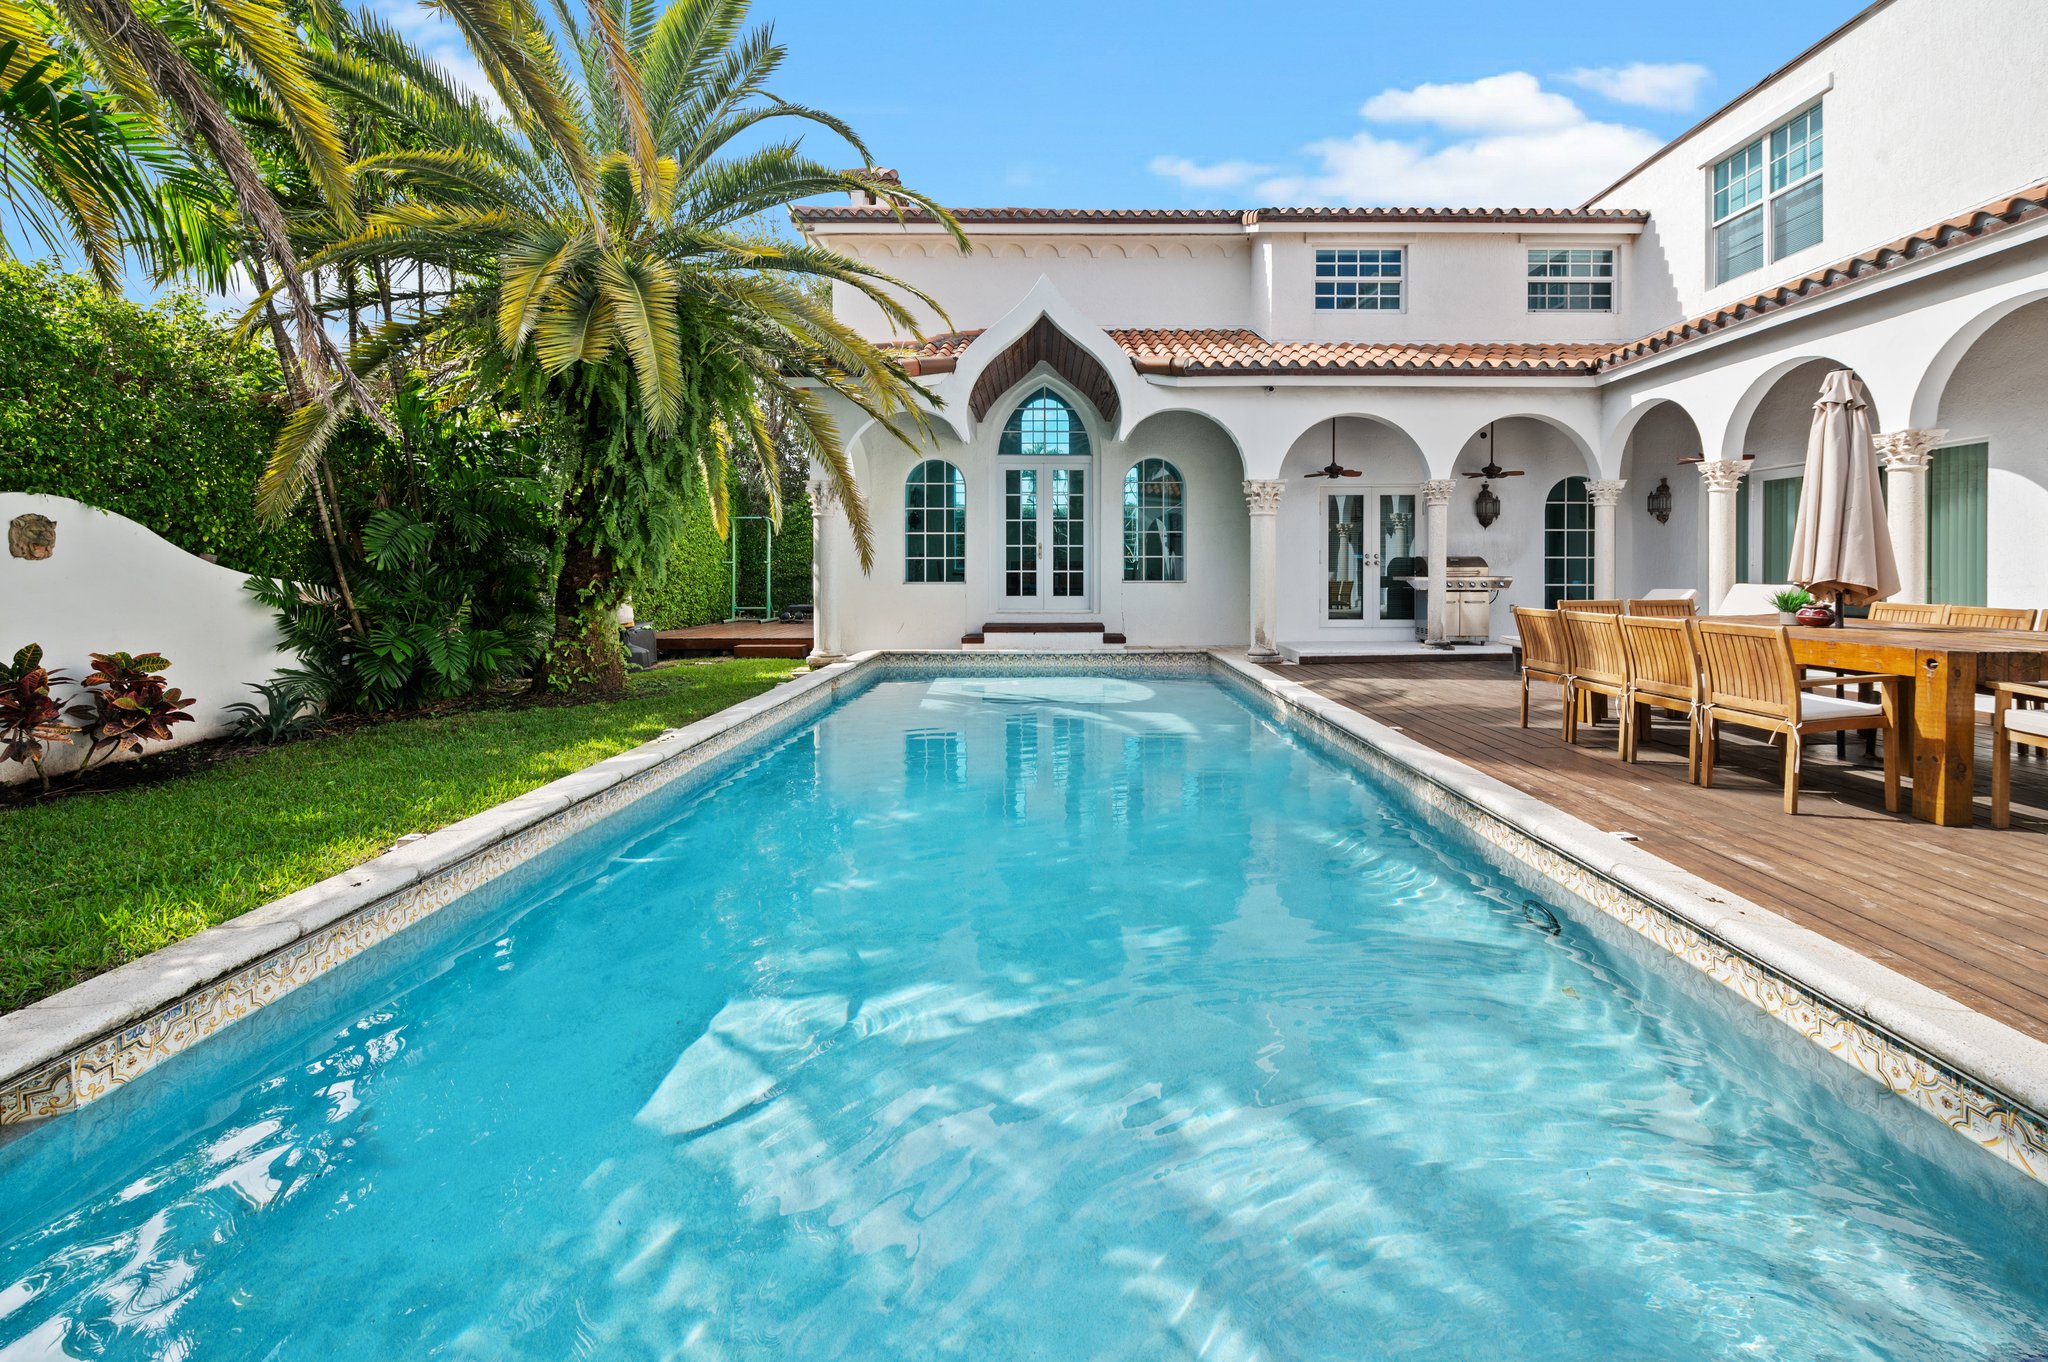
{"x":1046,"y":344}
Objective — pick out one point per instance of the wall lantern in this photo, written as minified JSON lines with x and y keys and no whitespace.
{"x":1660,"y":501}
{"x":1486,"y":506}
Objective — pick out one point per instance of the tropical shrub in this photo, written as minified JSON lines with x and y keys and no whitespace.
{"x":156,"y":413}
{"x":29,"y":718}
{"x":289,"y":709}
{"x":444,"y":586}
{"x":126,"y":704}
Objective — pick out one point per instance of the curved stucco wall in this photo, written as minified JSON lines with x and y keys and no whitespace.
{"x":113,"y":585}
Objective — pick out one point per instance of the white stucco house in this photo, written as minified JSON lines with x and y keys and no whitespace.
{"x":1134,"y":401}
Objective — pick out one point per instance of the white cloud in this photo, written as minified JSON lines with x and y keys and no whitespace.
{"x":1218,"y":175}
{"x":437,"y":38}
{"x":1497,"y":142}
{"x":1514,"y":101}
{"x":1673,"y":86}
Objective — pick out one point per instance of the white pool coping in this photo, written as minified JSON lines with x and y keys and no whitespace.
{"x":69,"y":1049}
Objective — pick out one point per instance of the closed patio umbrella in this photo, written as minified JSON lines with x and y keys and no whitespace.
{"x":1841,"y":545}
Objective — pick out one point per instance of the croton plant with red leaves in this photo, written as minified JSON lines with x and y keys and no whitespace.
{"x":126,"y":704}
{"x":28,"y":716}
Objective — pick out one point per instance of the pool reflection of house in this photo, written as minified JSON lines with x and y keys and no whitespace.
{"x":1136,"y":401}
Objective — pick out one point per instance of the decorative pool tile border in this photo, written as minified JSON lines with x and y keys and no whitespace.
{"x":50,"y":1085}
{"x":1995,"y":1121}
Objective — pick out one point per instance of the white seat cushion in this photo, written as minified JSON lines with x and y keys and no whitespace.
{"x":2034,"y":721}
{"x":1812,"y":706}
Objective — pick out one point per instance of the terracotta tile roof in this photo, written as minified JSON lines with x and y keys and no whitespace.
{"x":2028,"y":204}
{"x":825,"y":213}
{"x":1182,"y":352}
{"x":1239,"y":351}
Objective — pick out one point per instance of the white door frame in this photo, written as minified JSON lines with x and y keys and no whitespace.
{"x":1044,"y":602}
{"x":1371,"y":493}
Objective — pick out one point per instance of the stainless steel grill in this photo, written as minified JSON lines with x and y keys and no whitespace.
{"x":1470,"y":588}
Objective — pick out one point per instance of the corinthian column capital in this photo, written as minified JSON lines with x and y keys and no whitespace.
{"x":824,"y":495}
{"x":1908,"y":451}
{"x":1262,"y":495}
{"x":1723,"y":475}
{"x":1437,"y":491}
{"x":1605,"y":491}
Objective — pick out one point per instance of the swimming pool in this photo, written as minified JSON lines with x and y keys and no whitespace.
{"x":1039,"y":1017}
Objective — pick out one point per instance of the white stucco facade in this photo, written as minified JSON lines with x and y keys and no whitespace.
{"x":1196,"y":337}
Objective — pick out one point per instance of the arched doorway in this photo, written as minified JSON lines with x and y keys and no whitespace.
{"x":1046,"y":482}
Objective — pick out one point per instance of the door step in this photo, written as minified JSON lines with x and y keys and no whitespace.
{"x":1057,"y":636}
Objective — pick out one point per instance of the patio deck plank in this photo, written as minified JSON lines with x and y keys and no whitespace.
{"x":1962,"y":910}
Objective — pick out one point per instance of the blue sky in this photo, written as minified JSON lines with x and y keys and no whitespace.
{"x":1117,"y":103}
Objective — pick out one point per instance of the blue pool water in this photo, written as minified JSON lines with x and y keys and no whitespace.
{"x":1049,"y":1019}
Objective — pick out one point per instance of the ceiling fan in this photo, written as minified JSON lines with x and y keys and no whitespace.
{"x":1492,"y":470}
{"x":1333,"y":469}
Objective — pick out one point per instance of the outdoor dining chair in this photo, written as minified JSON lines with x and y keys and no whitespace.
{"x":1602,"y":606}
{"x":1660,"y":608}
{"x":2012,"y":725}
{"x":1543,"y":657}
{"x":1748,"y":678}
{"x":1663,"y":673}
{"x":1598,"y":667}
{"x":1989,"y":617}
{"x":1907,"y":612}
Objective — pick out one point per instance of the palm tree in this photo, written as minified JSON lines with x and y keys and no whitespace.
{"x":604,"y":254}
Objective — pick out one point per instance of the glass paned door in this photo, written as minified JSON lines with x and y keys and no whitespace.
{"x":1045,"y":538}
{"x":1781,"y":518}
{"x":1020,"y":534}
{"x":1365,"y":534}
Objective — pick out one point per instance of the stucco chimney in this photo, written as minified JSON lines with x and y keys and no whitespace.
{"x":861,"y":198}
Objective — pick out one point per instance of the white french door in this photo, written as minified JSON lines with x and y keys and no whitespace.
{"x":1365,"y":533}
{"x":1045,"y":536}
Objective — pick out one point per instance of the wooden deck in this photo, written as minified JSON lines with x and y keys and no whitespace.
{"x":1962,"y":910}
{"x":741,"y":638}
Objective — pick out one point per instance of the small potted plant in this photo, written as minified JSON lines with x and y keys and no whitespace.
{"x":1789,"y":602}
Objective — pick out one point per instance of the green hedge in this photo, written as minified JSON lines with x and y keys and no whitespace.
{"x":153,"y":412}
{"x":697,"y":586}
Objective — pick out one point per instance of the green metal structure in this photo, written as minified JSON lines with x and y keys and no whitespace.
{"x":765,"y":608}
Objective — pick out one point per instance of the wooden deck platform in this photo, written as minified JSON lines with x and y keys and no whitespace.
{"x":741,"y":638}
{"x":1962,"y":910}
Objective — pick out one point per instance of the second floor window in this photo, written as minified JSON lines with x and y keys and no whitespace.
{"x":1748,"y":219}
{"x":1574,"y":279}
{"x":1350,"y":280}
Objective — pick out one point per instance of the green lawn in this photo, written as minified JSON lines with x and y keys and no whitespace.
{"x":90,"y":882}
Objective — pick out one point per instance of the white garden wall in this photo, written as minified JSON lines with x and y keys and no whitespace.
{"x":113,"y":585}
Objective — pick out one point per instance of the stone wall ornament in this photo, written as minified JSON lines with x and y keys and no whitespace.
{"x":31,"y":536}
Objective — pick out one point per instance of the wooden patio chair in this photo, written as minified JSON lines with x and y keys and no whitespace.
{"x":1602,"y":606}
{"x":1599,"y":668}
{"x":1907,"y":612}
{"x":1748,"y":678}
{"x":1660,"y":609}
{"x":2012,"y":725}
{"x":1989,"y":617}
{"x":1663,"y":673}
{"x":1543,"y":657}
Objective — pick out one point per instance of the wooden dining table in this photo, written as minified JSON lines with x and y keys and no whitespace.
{"x":1942,"y":665}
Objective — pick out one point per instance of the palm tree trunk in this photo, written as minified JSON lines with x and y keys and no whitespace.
{"x":585,"y":657}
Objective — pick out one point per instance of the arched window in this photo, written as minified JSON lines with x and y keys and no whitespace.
{"x":935,"y":524}
{"x":1044,"y":426}
{"x":1155,"y":518}
{"x":1567,"y":544}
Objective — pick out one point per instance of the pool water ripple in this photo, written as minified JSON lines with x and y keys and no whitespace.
{"x":1045,"y":1019}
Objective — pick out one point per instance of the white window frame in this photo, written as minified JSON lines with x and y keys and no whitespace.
{"x":1612,"y":278}
{"x":1400,"y":279}
{"x":1768,"y":194}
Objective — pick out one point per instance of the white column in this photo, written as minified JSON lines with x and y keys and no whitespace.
{"x":1723,"y":478}
{"x":1604,"y":493}
{"x":1436,"y":503}
{"x":1907,"y":455}
{"x":1262,"y":498}
{"x":828,"y":518}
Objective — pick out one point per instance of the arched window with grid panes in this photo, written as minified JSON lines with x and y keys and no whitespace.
{"x":1155,"y":523}
{"x":1567,"y":544}
{"x":1044,"y":426}
{"x":935,"y":523}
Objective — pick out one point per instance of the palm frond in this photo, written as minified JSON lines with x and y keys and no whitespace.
{"x":642,"y":294}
